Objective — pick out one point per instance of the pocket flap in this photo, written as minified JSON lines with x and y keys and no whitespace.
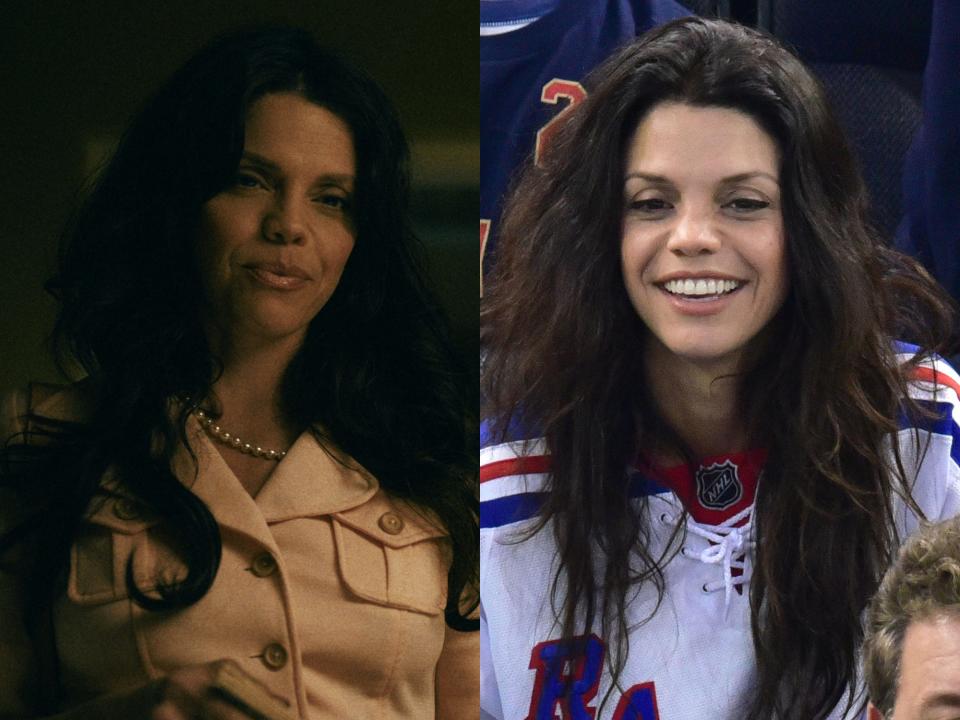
{"x":121,"y":514}
{"x":391,"y":523}
{"x":103,"y":549}
{"x":399,"y":561}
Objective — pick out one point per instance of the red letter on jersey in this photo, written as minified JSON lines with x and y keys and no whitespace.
{"x":552,"y":92}
{"x":567,"y":675}
{"x":638,"y":703}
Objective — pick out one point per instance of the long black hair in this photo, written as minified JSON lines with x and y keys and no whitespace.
{"x":564,"y":352}
{"x":377,"y":370}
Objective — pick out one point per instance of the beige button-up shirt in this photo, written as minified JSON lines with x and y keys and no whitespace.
{"x":329,"y":592}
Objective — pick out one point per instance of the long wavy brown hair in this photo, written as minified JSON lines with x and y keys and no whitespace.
{"x":563,"y":349}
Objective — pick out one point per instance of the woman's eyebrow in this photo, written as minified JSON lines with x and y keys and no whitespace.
{"x":648,"y":177}
{"x":260,"y":160}
{"x":741,"y":177}
{"x":729,"y":180}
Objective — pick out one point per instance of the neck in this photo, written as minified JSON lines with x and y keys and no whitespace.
{"x":248,"y":392}
{"x":700,"y":402}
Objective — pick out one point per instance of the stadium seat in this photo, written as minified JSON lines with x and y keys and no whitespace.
{"x":870,"y":56}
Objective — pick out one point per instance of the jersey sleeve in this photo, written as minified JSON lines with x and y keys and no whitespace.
{"x":514,"y":474}
{"x":930,"y":443}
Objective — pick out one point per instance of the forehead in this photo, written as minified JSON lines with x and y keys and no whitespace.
{"x":930,"y":663}
{"x":297,"y":134}
{"x":681,"y":141}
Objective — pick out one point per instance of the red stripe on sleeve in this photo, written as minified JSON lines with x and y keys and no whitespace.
{"x":525,"y":465}
{"x":928,"y":374}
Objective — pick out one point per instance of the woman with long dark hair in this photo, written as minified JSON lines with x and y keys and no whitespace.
{"x":267,"y":477}
{"x":704,"y":436}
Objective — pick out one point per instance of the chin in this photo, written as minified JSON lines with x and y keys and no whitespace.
{"x":699,"y":352}
{"x":269,"y":327}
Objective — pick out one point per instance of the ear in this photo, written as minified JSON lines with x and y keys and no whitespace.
{"x":873,"y":713}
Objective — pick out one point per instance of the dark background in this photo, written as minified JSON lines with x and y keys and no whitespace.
{"x":73,"y":73}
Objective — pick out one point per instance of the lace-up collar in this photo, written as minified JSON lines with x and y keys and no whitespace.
{"x":718,"y":495}
{"x":730,"y":543}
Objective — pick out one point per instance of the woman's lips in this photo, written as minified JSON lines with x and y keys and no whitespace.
{"x":700,"y":306}
{"x":275,"y":280}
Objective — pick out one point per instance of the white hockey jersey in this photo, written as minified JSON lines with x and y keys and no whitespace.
{"x":694,"y":658}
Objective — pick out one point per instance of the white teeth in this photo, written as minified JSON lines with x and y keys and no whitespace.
{"x":700,"y":287}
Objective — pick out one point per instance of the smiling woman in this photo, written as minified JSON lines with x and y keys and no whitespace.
{"x":703,"y":252}
{"x":261,"y":500}
{"x":703,"y":440}
{"x":293,"y":188}
{"x":273,"y":244}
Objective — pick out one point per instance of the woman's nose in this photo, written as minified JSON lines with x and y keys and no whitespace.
{"x":284,"y":222}
{"x":694,"y":233}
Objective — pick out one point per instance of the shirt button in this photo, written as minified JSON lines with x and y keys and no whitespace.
{"x":274,"y":656}
{"x":264,"y":565}
{"x":126,"y":509}
{"x":391,"y":523}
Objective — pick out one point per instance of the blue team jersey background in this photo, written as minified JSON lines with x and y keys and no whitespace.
{"x":567,"y":42}
{"x":570,"y":37}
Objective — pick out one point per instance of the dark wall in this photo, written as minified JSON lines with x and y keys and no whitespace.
{"x":72,"y":73}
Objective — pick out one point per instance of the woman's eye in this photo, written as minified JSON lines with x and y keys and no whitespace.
{"x":650,"y":205}
{"x":248,"y":180}
{"x":332,"y":200}
{"x":746,"y":205}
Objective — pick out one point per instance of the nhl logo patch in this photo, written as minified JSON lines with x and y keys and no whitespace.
{"x":719,"y":486}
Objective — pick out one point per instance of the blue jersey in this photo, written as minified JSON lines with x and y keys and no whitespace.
{"x":531,"y":76}
{"x":694,"y":657}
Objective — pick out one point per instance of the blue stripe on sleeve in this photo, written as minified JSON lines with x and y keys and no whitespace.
{"x":510,"y":509}
{"x":941,"y":423}
{"x":904,"y":347}
{"x":516,"y":430}
{"x":523,"y":506}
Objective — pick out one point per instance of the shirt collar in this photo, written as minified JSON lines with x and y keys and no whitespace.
{"x":312,"y":480}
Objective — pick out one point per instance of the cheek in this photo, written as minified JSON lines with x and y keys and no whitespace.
{"x":777,"y":269}
{"x":336,"y":255}
{"x":763,"y":251}
{"x":636,"y":256}
{"x":230,"y":220}
{"x":219,"y":233}
{"x":347,"y":249}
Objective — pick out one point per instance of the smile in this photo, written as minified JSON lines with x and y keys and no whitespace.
{"x":275,"y":280}
{"x":701,"y":289}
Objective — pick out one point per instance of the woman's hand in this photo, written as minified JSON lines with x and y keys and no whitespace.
{"x":219,"y":690}
{"x":209,"y":692}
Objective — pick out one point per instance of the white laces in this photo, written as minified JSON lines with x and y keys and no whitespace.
{"x":729,"y":546}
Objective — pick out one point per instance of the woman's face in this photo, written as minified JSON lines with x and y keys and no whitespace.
{"x":272,"y":246}
{"x":702,"y":253}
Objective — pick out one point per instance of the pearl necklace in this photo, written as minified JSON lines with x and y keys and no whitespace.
{"x":221,"y":435}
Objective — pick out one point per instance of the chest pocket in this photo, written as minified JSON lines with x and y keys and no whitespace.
{"x":116,"y":532}
{"x":389,"y":555}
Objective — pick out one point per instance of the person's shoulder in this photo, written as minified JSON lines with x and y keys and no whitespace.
{"x":931,"y":379}
{"x":929,"y":437}
{"x":514,"y":474}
